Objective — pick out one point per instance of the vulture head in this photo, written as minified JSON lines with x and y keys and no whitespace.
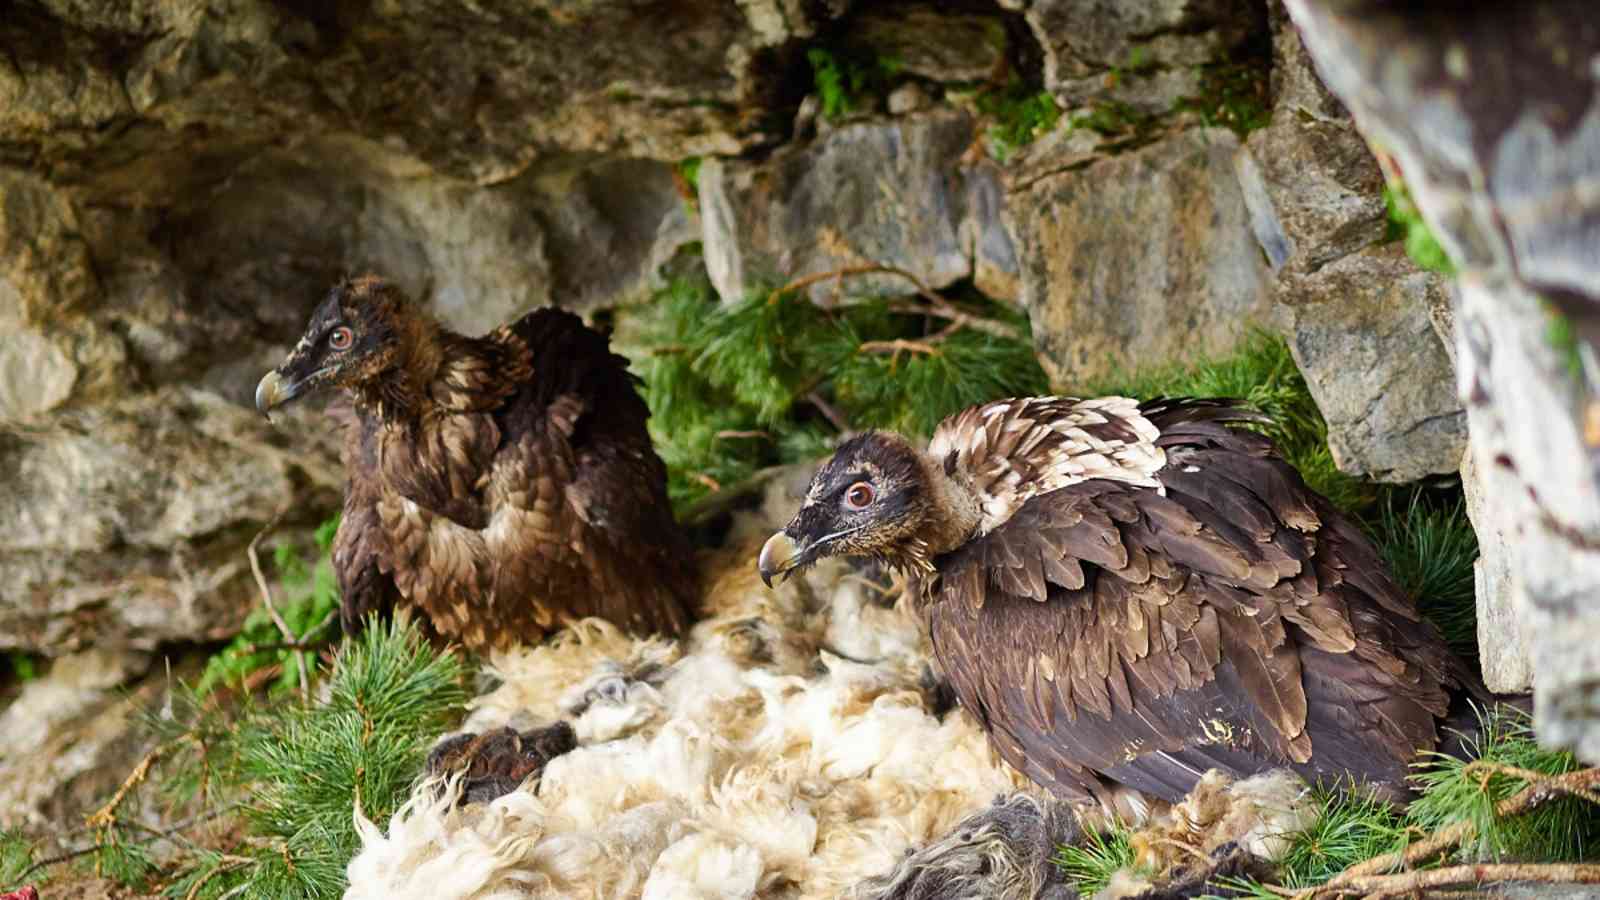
{"x":352,"y":341}
{"x":878,"y":497}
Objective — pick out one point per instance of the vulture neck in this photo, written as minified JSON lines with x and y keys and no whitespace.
{"x":403,"y":393}
{"x":954,"y":508}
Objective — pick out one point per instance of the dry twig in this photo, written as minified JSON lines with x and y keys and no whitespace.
{"x":229,"y":863}
{"x":266,"y":597}
{"x":939,"y":306}
{"x":105,"y":815}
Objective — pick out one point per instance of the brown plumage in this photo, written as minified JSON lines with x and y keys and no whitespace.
{"x":499,"y":485}
{"x":1137,"y":593}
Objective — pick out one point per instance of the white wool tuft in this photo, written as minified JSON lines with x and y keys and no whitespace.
{"x":705,"y":867}
{"x":786,"y":745}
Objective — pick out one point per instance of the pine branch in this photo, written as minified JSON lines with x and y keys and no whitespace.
{"x":1541,"y":789}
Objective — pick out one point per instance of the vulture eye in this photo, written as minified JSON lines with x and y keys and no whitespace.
{"x":860,"y":495}
{"x":340,"y":338}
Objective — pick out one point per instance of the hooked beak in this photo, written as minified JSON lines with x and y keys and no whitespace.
{"x":779,"y":556}
{"x":272,"y":393}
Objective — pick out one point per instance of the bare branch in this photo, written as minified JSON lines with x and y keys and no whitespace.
{"x":266,"y":597}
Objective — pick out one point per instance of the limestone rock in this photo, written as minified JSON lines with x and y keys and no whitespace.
{"x":1154,"y":46}
{"x":1147,"y":255}
{"x":875,"y":192}
{"x":480,"y":96}
{"x":72,"y":740}
{"x":128,"y":522}
{"x":1362,"y":337}
{"x":930,"y":42}
{"x":1363,"y":319}
{"x":1503,"y":639}
{"x":1492,"y":114}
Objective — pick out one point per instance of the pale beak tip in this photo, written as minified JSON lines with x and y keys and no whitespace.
{"x":268,"y":393}
{"x":777,"y":557}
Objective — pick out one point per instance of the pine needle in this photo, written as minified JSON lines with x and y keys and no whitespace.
{"x":1091,"y":864}
{"x":1428,"y":543}
{"x":16,"y":858}
{"x":1456,"y":791}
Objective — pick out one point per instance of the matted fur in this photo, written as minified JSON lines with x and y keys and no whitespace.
{"x":789,"y":745}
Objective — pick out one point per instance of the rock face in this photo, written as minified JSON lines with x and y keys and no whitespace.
{"x":74,"y":739}
{"x":1144,"y":54}
{"x":128,"y":520}
{"x":1146,"y":255}
{"x":1360,"y":314}
{"x":479,"y":96}
{"x":890,"y":193}
{"x":1493,"y":116}
{"x":1504,"y":627}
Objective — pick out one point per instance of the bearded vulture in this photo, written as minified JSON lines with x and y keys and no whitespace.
{"x":1129,"y":593}
{"x":498,"y":485}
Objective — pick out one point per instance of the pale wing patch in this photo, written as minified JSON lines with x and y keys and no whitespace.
{"x":436,"y":566}
{"x":1017,"y":448}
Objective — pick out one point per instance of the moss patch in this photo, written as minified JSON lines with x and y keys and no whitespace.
{"x":1233,"y":95}
{"x":846,"y":81}
{"x":1020,"y":114}
{"x":1406,"y":222}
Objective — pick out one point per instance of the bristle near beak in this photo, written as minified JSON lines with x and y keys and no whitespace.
{"x":778,"y":557}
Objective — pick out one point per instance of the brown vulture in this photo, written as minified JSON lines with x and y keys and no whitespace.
{"x":499,"y":485}
{"x":1132,"y":594}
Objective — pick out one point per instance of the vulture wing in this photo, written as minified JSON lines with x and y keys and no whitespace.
{"x":1233,"y":620}
{"x":581,"y":524}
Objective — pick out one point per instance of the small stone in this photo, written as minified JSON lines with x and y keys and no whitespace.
{"x":908,"y":98}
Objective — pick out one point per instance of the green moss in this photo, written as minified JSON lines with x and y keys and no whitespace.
{"x":1091,"y":864}
{"x":1113,"y":118}
{"x":1405,"y":221}
{"x":1233,"y":95}
{"x":844,"y":79}
{"x":310,"y":597}
{"x":689,"y":170}
{"x":23,"y":666}
{"x":1563,"y":338}
{"x":1020,"y":113}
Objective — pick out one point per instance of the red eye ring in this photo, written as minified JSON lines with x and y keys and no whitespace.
{"x":341,"y":338}
{"x":860,"y":495}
